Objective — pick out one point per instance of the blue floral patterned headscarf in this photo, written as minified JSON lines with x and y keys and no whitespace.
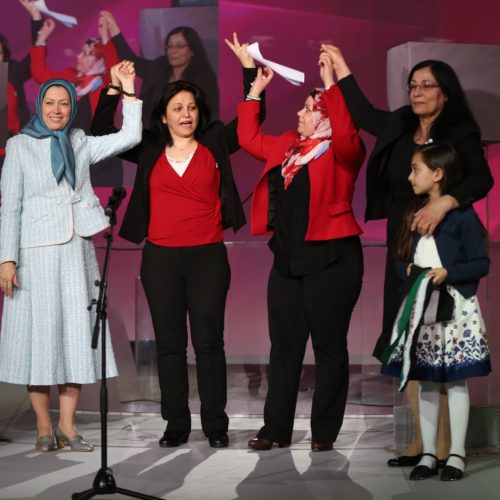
{"x":61,"y":151}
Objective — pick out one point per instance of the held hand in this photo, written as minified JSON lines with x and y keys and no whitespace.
{"x":326,"y":70}
{"x":262,"y":80}
{"x":113,"y":27}
{"x":241,"y":52}
{"x":126,"y":76}
{"x":439,"y":275}
{"x":8,"y":278}
{"x":428,"y":217}
{"x":113,"y":72}
{"x":30,"y":6}
{"x":46,"y":30}
{"x":103,"y":28}
{"x":339,"y":65}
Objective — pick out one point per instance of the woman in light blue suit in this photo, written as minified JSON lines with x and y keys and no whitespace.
{"x":48,"y":267}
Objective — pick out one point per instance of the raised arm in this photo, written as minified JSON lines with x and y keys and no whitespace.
{"x":346,"y":143}
{"x":103,"y":121}
{"x":250,"y":135}
{"x":39,"y":69}
{"x":23,"y":67}
{"x":131,"y":132}
{"x":361,"y":109}
{"x":250,"y":74}
{"x":142,"y":65}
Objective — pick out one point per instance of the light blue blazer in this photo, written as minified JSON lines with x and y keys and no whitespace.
{"x":35,"y":210}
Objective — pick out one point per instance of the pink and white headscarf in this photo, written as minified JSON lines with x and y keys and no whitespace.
{"x":304,"y":149}
{"x":92,"y":79}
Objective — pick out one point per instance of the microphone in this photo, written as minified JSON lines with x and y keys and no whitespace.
{"x":115,"y":200}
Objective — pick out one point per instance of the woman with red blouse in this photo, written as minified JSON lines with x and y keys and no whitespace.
{"x":183,"y":197}
{"x":304,"y":200}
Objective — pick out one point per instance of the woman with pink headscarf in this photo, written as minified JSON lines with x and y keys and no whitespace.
{"x":89,"y":77}
{"x":304,"y":200}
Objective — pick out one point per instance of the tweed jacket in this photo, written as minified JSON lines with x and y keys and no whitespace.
{"x":36,"y":210}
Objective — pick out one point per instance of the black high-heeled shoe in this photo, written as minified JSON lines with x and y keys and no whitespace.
{"x":450,"y":473}
{"x":422,"y":471}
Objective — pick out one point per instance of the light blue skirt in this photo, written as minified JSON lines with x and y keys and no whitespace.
{"x":46,"y":327}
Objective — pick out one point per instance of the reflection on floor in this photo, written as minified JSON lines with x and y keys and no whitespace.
{"x":369,"y":393}
{"x":355,"y":470}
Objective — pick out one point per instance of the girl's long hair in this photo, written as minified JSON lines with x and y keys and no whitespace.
{"x":434,"y":156}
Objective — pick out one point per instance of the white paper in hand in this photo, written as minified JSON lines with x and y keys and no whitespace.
{"x":290,"y":75}
{"x":68,"y":21}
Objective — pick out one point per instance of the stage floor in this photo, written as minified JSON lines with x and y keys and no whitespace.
{"x":354,"y":470}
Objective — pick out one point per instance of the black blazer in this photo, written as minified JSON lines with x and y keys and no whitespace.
{"x":220,"y":139}
{"x":155,"y":74}
{"x":388,"y":127}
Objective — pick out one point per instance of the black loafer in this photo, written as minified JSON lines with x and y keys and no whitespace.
{"x":422,"y":471}
{"x":218,"y":439}
{"x":404,"y":461}
{"x":172,"y":439}
{"x":450,"y":473}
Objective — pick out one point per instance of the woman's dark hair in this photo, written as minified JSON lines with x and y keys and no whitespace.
{"x":169,"y":91}
{"x":199,"y":63}
{"x":456,"y":108}
{"x":5,"y":48}
{"x":444,"y":157}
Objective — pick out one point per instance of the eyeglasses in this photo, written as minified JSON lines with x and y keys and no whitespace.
{"x":178,"y":46}
{"x":425,"y":85}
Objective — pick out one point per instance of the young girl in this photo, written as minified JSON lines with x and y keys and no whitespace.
{"x":440,"y":352}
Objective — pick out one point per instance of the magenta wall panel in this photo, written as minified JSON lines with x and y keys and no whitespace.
{"x":290,"y":33}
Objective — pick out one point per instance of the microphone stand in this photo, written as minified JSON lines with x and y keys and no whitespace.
{"x":104,"y":482}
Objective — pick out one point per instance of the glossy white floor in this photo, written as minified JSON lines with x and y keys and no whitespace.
{"x":355,"y":470}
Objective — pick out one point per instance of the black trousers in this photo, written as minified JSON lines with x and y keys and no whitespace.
{"x":319,"y":304}
{"x":193,"y":281}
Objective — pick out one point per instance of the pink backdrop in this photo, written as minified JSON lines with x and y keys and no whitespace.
{"x":290,"y":32}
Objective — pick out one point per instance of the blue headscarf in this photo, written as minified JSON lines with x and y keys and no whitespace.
{"x":61,"y":151}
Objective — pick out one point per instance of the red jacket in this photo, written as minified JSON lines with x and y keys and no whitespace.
{"x":40,"y":72}
{"x":332,"y":175}
{"x":12,"y":117}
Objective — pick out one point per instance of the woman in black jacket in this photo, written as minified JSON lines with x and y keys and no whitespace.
{"x":185,"y":59}
{"x":438,"y":111}
{"x":184,"y":195}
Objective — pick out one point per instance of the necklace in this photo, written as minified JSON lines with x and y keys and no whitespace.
{"x":184,"y":159}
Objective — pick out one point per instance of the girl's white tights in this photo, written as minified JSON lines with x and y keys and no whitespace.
{"x":458,"y":403}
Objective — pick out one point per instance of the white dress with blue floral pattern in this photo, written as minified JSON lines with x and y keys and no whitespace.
{"x":453,"y":350}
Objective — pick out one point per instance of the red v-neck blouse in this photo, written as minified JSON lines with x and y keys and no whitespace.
{"x":185,"y":210}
